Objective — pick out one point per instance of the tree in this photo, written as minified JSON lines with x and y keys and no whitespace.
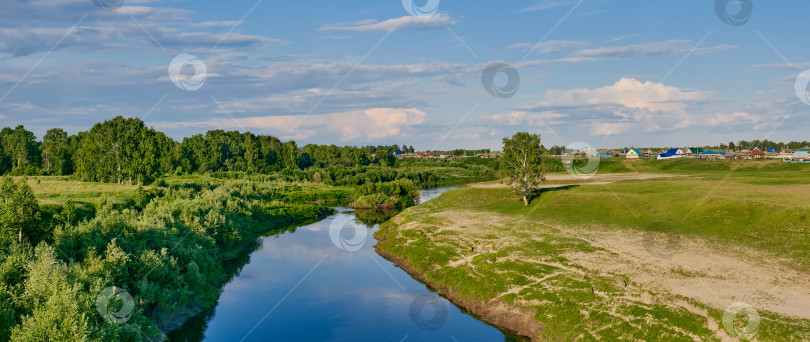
{"x":19,"y":209}
{"x":385,"y":158}
{"x":55,"y":152}
{"x":20,"y":146}
{"x":304,"y":161}
{"x":123,"y":150}
{"x":520,"y":163}
{"x":289,"y":152}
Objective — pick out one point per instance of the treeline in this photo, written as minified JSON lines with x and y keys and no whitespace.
{"x":469,"y":153}
{"x":763,"y":145}
{"x":393,"y":148}
{"x":125,"y":150}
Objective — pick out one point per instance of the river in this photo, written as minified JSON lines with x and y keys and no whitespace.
{"x":305,"y":284}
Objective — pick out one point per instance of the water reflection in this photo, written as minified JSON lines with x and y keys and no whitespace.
{"x":299,"y":286}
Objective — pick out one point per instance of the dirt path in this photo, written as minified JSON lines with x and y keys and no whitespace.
{"x":598,"y":179}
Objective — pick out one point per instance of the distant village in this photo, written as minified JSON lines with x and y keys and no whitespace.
{"x":798,"y":156}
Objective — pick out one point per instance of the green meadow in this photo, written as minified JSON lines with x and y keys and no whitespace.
{"x":481,"y":246}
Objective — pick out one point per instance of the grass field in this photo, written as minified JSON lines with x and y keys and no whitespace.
{"x":653,"y":259}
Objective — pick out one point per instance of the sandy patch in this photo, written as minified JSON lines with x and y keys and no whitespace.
{"x":694,"y":269}
{"x":598,"y":179}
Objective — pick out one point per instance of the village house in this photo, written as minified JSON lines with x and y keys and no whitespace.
{"x":757,"y":154}
{"x":712,"y":155}
{"x":633,"y":153}
{"x":604,"y":153}
{"x":773,"y":154}
{"x":489,"y":155}
{"x":672,"y":153}
{"x":800,"y":156}
{"x":694,"y":151}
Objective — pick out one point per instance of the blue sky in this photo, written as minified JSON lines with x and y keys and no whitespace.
{"x":606,"y":72}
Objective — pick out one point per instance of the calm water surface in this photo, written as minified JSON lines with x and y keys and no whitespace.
{"x":299,"y":286}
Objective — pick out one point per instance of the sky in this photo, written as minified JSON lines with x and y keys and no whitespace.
{"x":435,"y":74}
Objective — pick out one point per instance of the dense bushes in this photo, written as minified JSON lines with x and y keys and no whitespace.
{"x":398,"y":194}
{"x":167,"y":255}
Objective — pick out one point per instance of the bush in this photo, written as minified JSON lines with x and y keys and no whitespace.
{"x":398,"y":194}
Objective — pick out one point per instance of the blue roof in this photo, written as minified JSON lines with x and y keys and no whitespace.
{"x":672,"y":151}
{"x":605,"y":155}
{"x":714,"y":152}
{"x":771,"y":149}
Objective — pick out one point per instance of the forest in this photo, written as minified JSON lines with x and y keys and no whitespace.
{"x":123,"y":207}
{"x":125,"y":150}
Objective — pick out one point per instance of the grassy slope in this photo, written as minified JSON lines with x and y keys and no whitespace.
{"x":760,"y":204}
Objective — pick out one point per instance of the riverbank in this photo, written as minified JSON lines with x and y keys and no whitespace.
{"x":643,"y":259}
{"x":501,"y":315}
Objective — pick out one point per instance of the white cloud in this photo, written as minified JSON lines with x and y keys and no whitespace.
{"x":141,"y":28}
{"x":360,"y":125}
{"x":670,"y":47}
{"x":630,"y":106}
{"x":217,"y":24}
{"x":611,"y":128}
{"x":403,"y":23}
{"x":629,"y":93}
{"x":721,"y":119}
{"x":527,"y":118}
{"x":622,"y":37}
{"x":553,"y":46}
{"x":783,"y":66}
{"x":549,"y":4}
{"x":544,"y":62}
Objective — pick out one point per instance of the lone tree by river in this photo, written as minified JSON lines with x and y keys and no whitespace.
{"x":520,"y":163}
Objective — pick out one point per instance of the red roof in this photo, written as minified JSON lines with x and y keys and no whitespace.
{"x":757,"y":151}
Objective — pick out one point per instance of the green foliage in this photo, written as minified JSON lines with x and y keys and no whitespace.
{"x":397,"y":194}
{"x":123,"y":151}
{"x":166,"y":247}
{"x":20,"y":152}
{"x":19,"y":209}
{"x":520,"y":163}
{"x":218,"y":150}
{"x":56,"y":153}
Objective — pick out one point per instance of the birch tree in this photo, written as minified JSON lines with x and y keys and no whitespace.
{"x":520,"y":163}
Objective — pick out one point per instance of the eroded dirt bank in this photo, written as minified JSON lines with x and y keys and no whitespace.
{"x":498,"y":313}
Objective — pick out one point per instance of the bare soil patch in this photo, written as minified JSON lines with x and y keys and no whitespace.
{"x":597,"y":179}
